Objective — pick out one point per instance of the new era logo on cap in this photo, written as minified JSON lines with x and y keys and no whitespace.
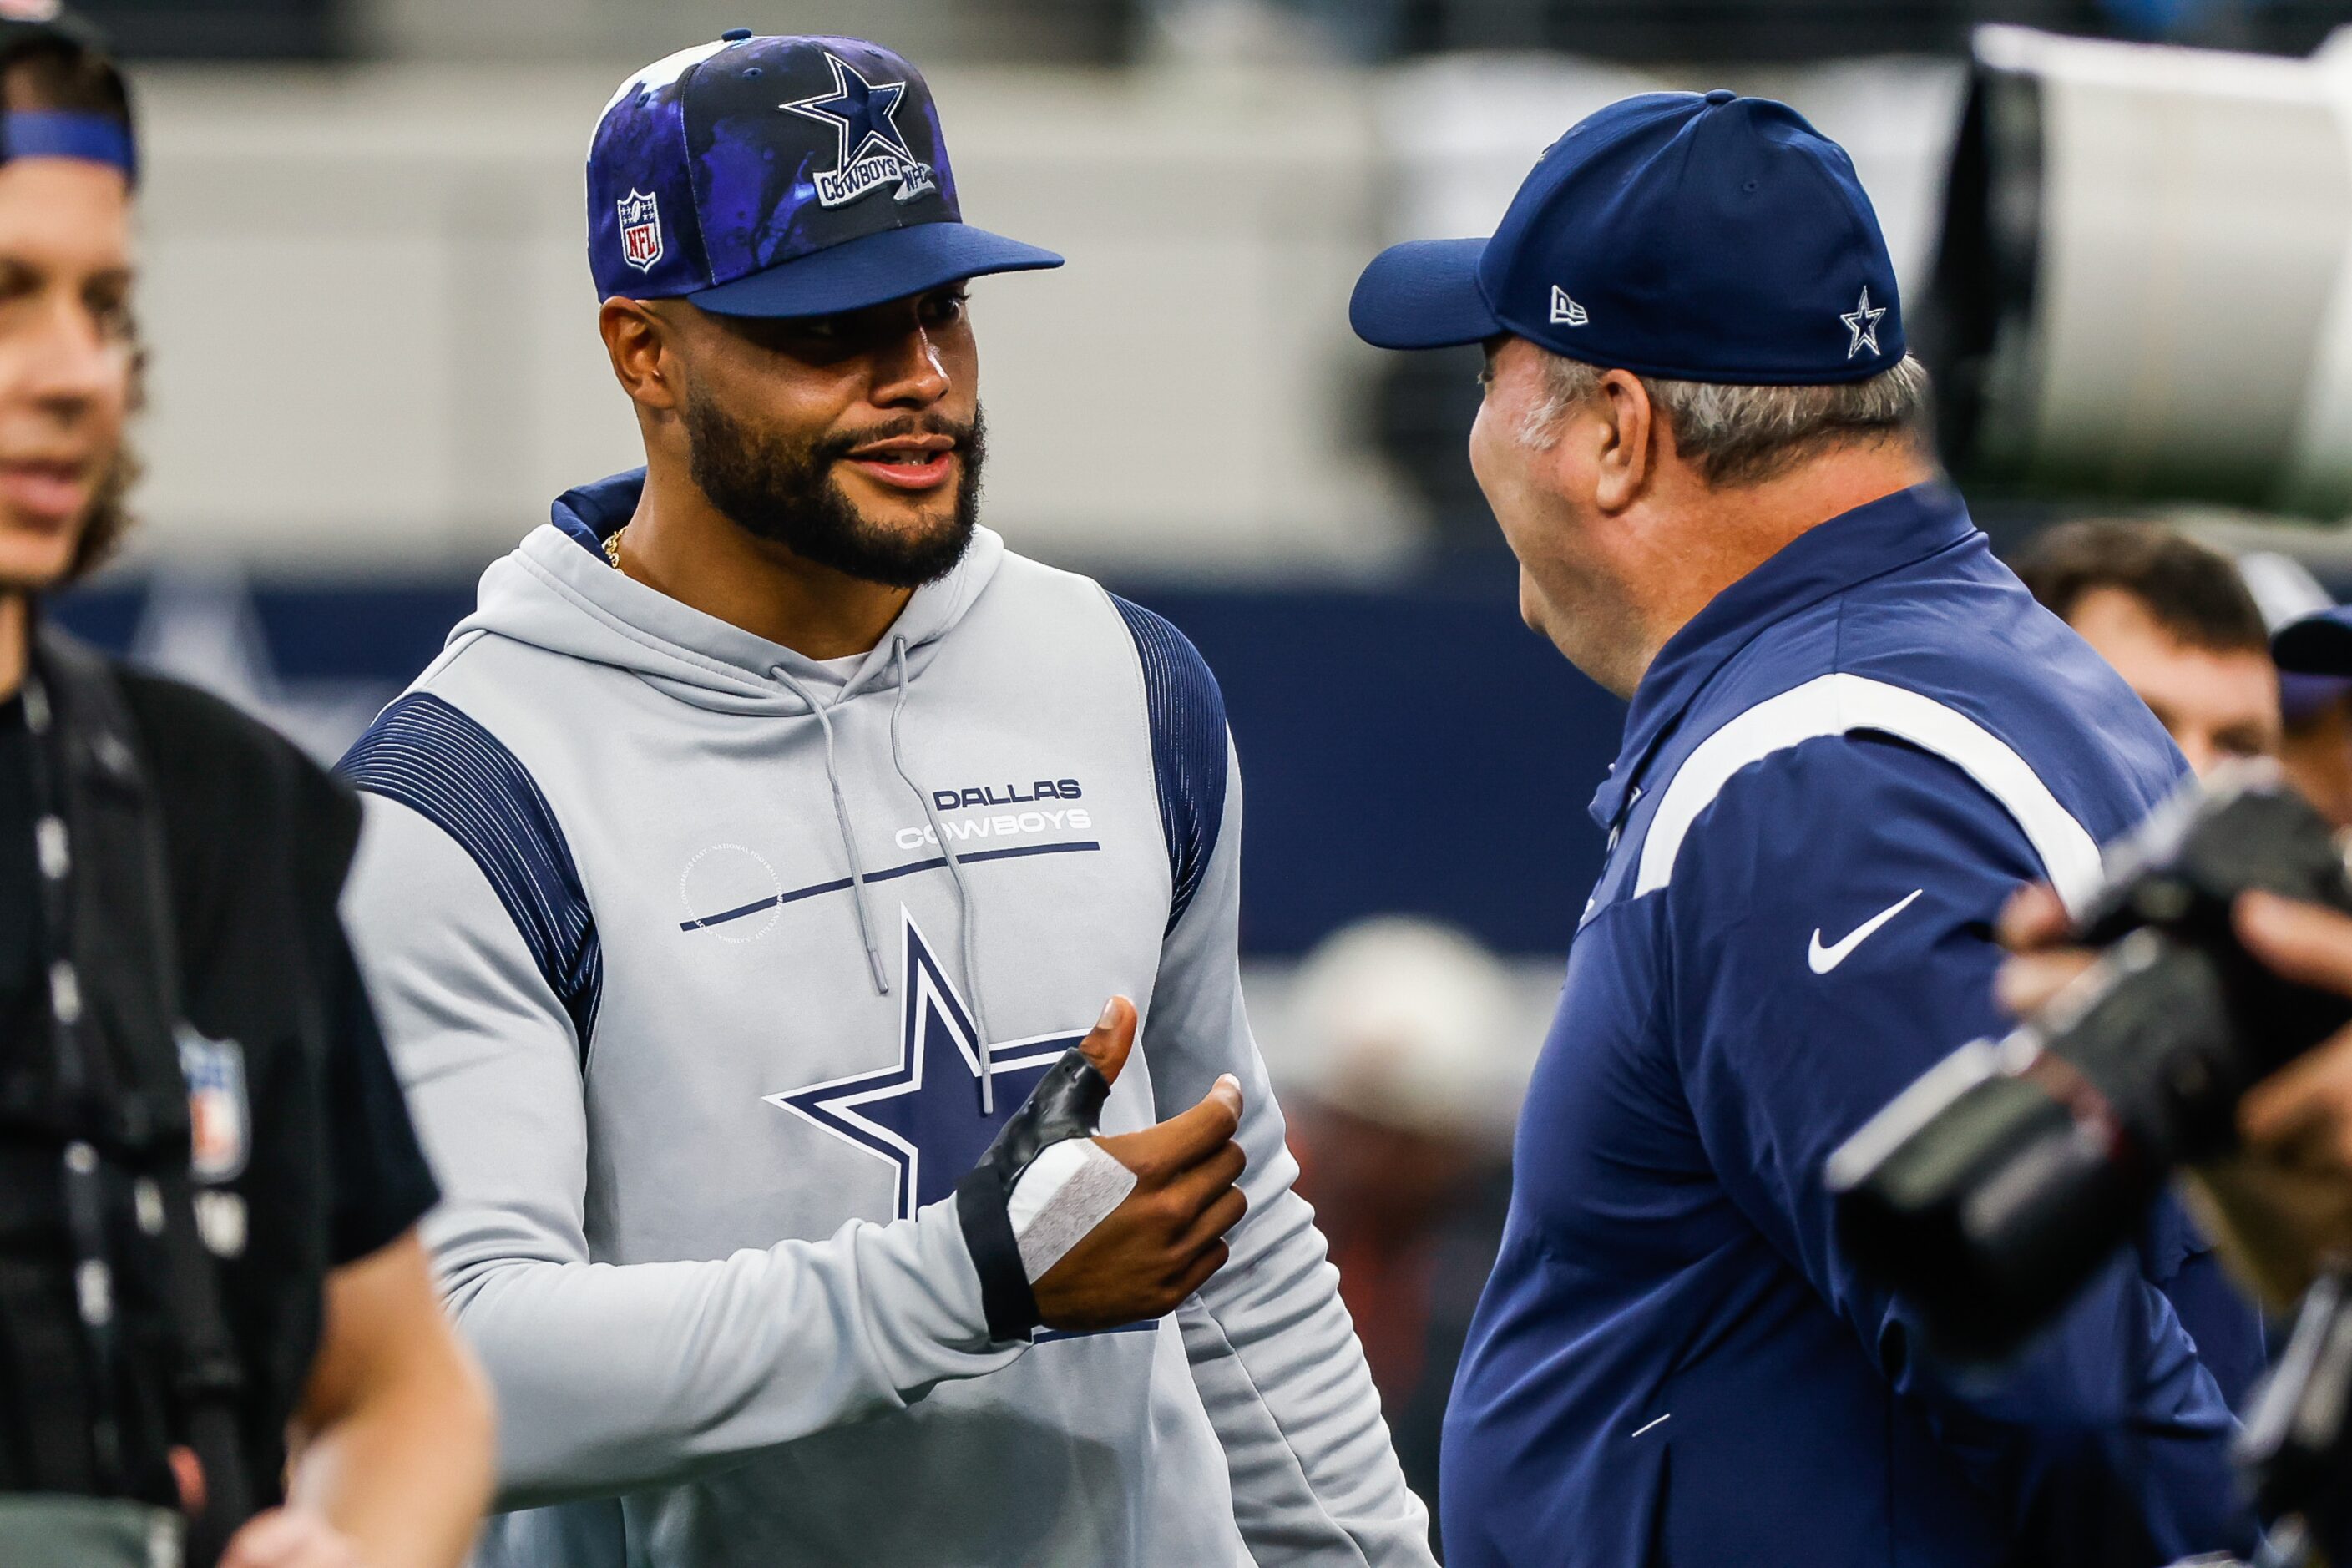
{"x":1565,"y":311}
{"x":781,"y":176}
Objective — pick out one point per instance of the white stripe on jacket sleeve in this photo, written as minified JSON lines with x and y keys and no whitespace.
{"x":1840,"y":705}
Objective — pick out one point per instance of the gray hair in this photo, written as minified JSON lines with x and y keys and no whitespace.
{"x":1739,"y":435}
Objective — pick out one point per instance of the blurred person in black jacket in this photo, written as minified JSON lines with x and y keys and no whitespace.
{"x":218,"y":1338}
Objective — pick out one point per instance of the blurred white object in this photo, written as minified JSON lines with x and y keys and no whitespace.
{"x":1463,"y":130}
{"x":1411,"y":1024}
{"x":1231,"y":33}
{"x":2147,"y":272}
{"x":2284,"y":588}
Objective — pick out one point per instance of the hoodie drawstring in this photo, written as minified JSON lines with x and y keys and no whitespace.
{"x":971,"y":943}
{"x":848,"y":834}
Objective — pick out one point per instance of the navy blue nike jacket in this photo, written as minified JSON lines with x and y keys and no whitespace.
{"x":1831,"y":779}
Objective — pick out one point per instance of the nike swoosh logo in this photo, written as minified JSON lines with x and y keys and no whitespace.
{"x":1825,"y":959}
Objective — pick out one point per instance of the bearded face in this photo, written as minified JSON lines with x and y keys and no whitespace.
{"x":788,"y":491}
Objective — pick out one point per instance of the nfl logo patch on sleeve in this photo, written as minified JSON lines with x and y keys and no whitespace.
{"x":641,"y":236}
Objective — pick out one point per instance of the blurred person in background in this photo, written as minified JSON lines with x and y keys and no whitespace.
{"x":2278,"y":1204}
{"x":2177,"y":621}
{"x":2314,"y":673}
{"x":2285,"y":1206}
{"x":1852,"y":733}
{"x":212,"y":1293}
{"x":759,"y":845}
{"x":1407,"y":1074}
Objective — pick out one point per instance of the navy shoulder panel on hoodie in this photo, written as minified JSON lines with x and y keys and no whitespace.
{"x":436,"y":760}
{"x":1188,"y":747}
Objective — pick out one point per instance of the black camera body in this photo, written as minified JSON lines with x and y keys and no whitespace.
{"x":1991,"y":1191}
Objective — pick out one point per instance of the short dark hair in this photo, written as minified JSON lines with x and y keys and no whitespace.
{"x":64,"y":67}
{"x":60,"y":66}
{"x":2193,"y":590}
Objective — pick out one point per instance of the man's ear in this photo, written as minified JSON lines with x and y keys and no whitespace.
{"x":1630,"y":429}
{"x":641,"y":344}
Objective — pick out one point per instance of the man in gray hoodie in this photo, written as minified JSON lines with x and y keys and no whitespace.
{"x":765,"y":837}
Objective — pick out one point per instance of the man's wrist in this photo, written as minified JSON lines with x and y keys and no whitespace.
{"x":1005,"y":1297}
{"x":1064,"y":1105}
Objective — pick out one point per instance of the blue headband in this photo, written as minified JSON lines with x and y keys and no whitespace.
{"x":55,"y":133}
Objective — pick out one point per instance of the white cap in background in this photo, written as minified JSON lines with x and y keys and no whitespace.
{"x":1411,"y":1024}
{"x":2284,"y":588}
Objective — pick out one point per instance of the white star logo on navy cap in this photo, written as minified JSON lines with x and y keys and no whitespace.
{"x":1862,"y":322}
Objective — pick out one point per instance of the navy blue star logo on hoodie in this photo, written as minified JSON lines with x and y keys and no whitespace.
{"x":923,"y":1114}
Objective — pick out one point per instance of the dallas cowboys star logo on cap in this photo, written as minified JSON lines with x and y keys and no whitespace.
{"x":922,"y":1114}
{"x":861,"y":114}
{"x":1862,"y":322}
{"x":874,"y":151}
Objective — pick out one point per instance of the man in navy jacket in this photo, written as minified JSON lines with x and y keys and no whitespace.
{"x":1852,"y":734}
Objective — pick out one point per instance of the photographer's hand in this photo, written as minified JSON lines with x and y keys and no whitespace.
{"x":289,"y":1538}
{"x":2302,"y":1113}
{"x":2033,"y":927}
{"x":2281,"y":1209}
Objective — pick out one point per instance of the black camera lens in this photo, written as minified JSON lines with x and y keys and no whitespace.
{"x":2016,"y":1174}
{"x":1992,"y":1190}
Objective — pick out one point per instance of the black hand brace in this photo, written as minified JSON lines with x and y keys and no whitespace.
{"x":1064,"y":1105}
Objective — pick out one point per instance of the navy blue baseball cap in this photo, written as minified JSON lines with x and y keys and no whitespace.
{"x":1695,"y":237}
{"x":2318,"y":644}
{"x":780,"y":176}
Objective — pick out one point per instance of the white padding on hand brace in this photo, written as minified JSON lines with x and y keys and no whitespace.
{"x":1065,"y":1192}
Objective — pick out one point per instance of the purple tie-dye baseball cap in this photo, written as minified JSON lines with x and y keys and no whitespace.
{"x":781,"y":177}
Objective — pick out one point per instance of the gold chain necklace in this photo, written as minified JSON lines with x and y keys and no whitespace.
{"x":612,"y":546}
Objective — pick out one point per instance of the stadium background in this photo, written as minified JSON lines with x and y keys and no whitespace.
{"x":375,"y":360}
{"x":374,"y":363}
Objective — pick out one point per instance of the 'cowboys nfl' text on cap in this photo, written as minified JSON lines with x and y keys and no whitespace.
{"x":780,"y":176}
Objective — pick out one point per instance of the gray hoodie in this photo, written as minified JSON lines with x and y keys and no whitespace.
{"x":710,"y":968}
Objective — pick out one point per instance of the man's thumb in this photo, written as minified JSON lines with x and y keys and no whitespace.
{"x":1227,"y":1091}
{"x":1113,"y":1036}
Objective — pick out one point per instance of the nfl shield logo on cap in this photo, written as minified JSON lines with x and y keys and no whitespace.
{"x":641,"y":240}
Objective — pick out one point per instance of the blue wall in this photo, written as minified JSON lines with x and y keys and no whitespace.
{"x":1410,"y":749}
{"x":1416,"y":750}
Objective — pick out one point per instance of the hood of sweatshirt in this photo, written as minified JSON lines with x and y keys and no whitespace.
{"x":556,"y":591}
